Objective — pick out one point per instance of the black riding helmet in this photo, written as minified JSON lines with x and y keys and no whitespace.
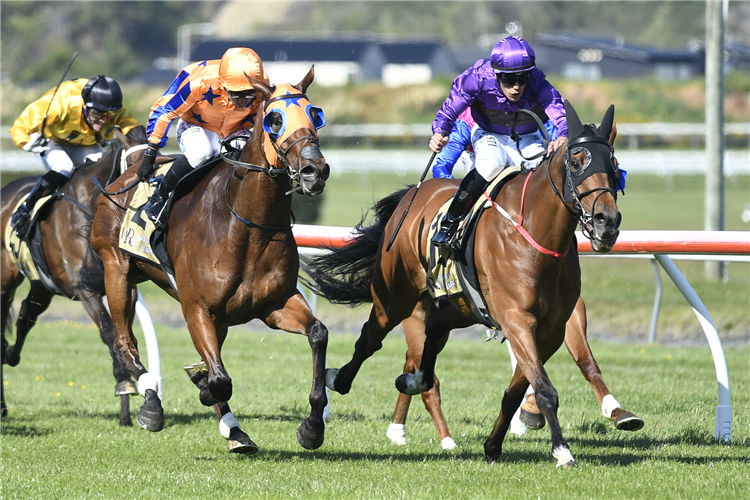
{"x":102,"y":93}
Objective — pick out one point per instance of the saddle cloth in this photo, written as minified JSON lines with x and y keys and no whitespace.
{"x":19,"y":249}
{"x":137,"y":228}
{"x":450,"y":274}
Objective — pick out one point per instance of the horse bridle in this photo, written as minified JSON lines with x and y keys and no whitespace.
{"x":571,"y":180}
{"x":281,"y":154}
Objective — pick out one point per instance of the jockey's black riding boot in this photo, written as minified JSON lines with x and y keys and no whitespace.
{"x":468,"y":192}
{"x":180,"y":168}
{"x":47,"y":184}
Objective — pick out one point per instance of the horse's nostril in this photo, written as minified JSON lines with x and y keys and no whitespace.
{"x":308,"y":171}
{"x":326,"y":172}
{"x":600,"y":219}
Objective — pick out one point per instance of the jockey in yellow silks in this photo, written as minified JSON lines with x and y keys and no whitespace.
{"x":77,"y":117}
{"x":214,"y":101}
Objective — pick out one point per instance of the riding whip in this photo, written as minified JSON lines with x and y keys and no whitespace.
{"x":421,"y":179}
{"x":42,"y":140}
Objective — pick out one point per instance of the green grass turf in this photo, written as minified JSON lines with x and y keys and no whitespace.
{"x":61,"y":438}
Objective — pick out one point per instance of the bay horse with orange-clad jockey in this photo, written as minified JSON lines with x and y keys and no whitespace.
{"x":234,"y":257}
{"x":61,"y":235}
{"x":528,"y":271}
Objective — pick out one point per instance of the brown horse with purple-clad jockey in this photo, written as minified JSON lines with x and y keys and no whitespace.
{"x":528,"y":272}
{"x":62,"y":232}
{"x":234,"y":257}
{"x":530,"y":416}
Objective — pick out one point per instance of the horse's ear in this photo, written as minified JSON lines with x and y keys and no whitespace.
{"x":613,"y":134}
{"x":261,"y":87}
{"x":575,"y":127}
{"x":307,"y":80}
{"x":606,"y":126}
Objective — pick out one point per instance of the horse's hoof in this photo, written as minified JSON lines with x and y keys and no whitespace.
{"x":534,"y":421}
{"x":11,"y":359}
{"x":3,"y":411}
{"x":308,"y":438}
{"x":125,"y":388}
{"x":239,"y":442}
{"x":567,"y":465}
{"x":626,"y":421}
{"x":564,"y":458}
{"x":396,"y":433}
{"x":491,"y":454}
{"x":331,"y":374}
{"x":207,"y":399}
{"x":126,"y":422}
{"x":196,"y":372}
{"x":151,"y":415}
{"x":406,"y":384}
{"x":448,"y":443}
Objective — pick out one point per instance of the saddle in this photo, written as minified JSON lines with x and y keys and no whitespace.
{"x":28,"y":254}
{"x":139,"y":236}
{"x":452,"y":272}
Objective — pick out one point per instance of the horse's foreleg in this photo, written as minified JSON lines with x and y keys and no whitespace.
{"x":521,"y":333}
{"x":207,"y":338}
{"x":229,"y":428}
{"x":578,"y":347}
{"x":121,"y":294}
{"x":124,"y":385}
{"x":36,"y":303}
{"x":297,"y":317}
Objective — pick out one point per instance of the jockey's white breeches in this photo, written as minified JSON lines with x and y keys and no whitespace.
{"x":199,"y":144}
{"x":63,"y":158}
{"x":494,"y":152}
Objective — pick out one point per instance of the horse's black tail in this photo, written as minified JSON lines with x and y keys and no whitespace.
{"x":344,"y":275}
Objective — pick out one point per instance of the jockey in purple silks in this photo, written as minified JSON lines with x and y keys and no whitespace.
{"x":495,"y":90}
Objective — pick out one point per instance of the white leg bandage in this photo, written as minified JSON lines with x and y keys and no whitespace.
{"x":448,"y":443}
{"x":227,"y":422}
{"x":609,"y":404}
{"x":397,"y":433}
{"x":145,"y":382}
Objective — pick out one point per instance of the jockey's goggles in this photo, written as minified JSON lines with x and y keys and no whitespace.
{"x":245,"y":94}
{"x":97,"y":114}
{"x":510,"y":79}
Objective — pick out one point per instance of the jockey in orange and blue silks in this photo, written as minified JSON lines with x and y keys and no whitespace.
{"x":214,"y":101}
{"x":495,"y":90}
{"x":63,"y":129}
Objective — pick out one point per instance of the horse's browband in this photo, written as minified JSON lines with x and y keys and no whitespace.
{"x":282,"y":97}
{"x":580,"y":140}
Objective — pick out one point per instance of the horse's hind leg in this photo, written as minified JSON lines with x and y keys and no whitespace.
{"x":578,"y":346}
{"x":414,"y":327}
{"x":387,"y":312}
{"x":11,"y":279}
{"x":124,"y":385}
{"x":35,"y":304}
{"x":121,"y":297}
{"x":512,"y":398}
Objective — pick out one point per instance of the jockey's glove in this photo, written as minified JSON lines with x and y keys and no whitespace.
{"x":147,"y":165}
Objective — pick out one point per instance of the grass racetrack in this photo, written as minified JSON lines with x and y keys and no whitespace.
{"x":61,"y":438}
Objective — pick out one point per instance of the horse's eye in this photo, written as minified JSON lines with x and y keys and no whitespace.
{"x":276,"y":122}
{"x":580,"y":158}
